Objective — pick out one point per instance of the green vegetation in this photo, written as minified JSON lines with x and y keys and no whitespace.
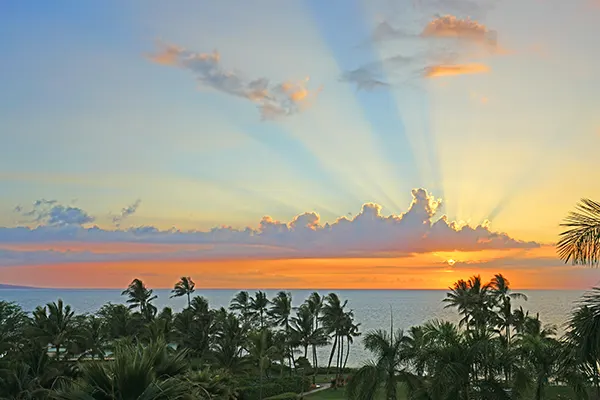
{"x":263,"y":348}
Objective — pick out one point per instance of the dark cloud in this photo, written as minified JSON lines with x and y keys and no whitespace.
{"x":369,"y":233}
{"x":126,"y":212}
{"x":273,"y":99}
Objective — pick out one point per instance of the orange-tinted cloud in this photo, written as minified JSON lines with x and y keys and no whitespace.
{"x":273,"y":100}
{"x":451,"y":26}
{"x":368,"y":234}
{"x":435,"y":71}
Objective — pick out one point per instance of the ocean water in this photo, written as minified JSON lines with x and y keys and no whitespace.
{"x":371,"y":307}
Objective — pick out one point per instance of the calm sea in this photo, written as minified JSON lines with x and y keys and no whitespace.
{"x":371,"y":307}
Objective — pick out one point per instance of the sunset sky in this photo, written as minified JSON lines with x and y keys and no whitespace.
{"x":295,"y":144}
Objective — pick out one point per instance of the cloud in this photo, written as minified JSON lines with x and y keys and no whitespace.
{"x":369,"y":233}
{"x":449,"y":26}
{"x":274,"y":100}
{"x":126,"y":212}
{"x":435,"y":71}
{"x":52,"y":214}
{"x":449,"y":41}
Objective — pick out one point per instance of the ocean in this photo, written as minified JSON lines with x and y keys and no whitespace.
{"x":371,"y":307}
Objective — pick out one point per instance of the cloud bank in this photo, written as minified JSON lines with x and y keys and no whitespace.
{"x":126,"y":212}
{"x":272,"y":99}
{"x":367,"y":234}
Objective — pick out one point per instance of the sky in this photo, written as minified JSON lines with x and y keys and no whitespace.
{"x":297,"y":144}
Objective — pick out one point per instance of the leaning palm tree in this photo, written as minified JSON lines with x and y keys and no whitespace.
{"x":185,"y":287}
{"x":580,"y":243}
{"x":387,"y":370}
{"x":140,"y":297}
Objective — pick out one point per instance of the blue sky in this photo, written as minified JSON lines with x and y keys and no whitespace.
{"x":88,"y":119}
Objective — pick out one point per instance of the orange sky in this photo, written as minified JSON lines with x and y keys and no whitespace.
{"x":535,"y":268}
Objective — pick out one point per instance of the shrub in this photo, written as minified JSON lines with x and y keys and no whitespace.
{"x":250,"y":388}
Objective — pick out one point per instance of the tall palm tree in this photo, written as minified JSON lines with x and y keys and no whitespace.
{"x":332,"y":319}
{"x":55,"y":324}
{"x":280,"y":314}
{"x":185,"y":287}
{"x":387,"y":370}
{"x":140,"y":297}
{"x":241,"y":304}
{"x":261,"y":351}
{"x":500,"y":288}
{"x":349,"y":331}
{"x":314,"y":303}
{"x":258,"y":307}
{"x":580,"y":243}
{"x":230,"y":340}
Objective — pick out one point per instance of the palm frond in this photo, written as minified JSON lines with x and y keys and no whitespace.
{"x":580,"y":243}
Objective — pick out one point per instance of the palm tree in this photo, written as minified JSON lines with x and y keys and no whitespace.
{"x":280,"y":313}
{"x":13,"y":322}
{"x":580,"y":243}
{"x":230,"y":340}
{"x":332,"y":318}
{"x":54,"y":324}
{"x":241,"y":304}
{"x":185,"y":287}
{"x":541,"y":354}
{"x":388,"y":368}
{"x":349,"y":331}
{"x":314,"y":303}
{"x":119,"y":322}
{"x":140,"y":297}
{"x":262,"y":351}
{"x":500,"y":288}
{"x":94,"y":336}
{"x":258,"y":307}
{"x":584,"y":334}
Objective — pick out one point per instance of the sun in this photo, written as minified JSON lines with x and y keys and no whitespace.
{"x":450,"y":262}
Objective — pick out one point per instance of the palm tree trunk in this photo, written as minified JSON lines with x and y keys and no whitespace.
{"x":306,"y":351}
{"x":315,"y":364}
{"x":339,"y":358}
{"x":189,"y":302}
{"x":57,"y":347}
{"x":332,"y":353}
{"x":347,"y":354}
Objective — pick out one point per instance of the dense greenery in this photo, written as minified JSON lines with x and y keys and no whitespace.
{"x":257,"y":348}
{"x":266,"y":348}
{"x":494,"y":352}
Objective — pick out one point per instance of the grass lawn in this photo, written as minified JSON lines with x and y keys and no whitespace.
{"x":552,"y":393}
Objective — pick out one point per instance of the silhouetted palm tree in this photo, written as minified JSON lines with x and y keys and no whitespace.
{"x":500,"y":288}
{"x":241,"y":304}
{"x":387,"y":370}
{"x":55,"y":324}
{"x":580,"y":243}
{"x":140,"y":297}
{"x":280,"y":313}
{"x":258,"y":307}
{"x":185,"y":287}
{"x":332,"y":319}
